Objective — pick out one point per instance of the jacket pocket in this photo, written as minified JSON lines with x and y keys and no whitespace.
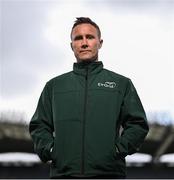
{"x":53,"y":152}
{"x":118,"y":154}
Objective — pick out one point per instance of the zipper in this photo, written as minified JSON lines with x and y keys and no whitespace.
{"x":84,"y":123}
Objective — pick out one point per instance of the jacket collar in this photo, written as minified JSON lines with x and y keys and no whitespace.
{"x":91,"y":67}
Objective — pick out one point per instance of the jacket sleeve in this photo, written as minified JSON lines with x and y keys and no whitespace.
{"x":41,"y":126}
{"x":133,"y":121}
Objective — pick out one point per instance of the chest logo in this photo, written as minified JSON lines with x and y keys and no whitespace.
{"x":107,"y":84}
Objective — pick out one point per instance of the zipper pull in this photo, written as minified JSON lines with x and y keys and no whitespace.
{"x":86,"y":73}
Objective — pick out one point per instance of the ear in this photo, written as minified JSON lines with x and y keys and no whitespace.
{"x":101,"y":43}
{"x":71,"y":46}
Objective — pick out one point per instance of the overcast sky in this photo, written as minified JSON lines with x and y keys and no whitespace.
{"x":35,"y":47}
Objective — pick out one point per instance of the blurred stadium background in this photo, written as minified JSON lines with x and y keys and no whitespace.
{"x":18,"y":160}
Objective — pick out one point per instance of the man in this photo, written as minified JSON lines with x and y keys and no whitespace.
{"x":78,"y":120}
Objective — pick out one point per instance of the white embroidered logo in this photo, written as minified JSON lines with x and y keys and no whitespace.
{"x":107,"y":84}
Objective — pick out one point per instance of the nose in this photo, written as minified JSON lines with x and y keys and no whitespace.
{"x":84,"y":43}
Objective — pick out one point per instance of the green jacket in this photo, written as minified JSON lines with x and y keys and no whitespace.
{"x":79,"y":115}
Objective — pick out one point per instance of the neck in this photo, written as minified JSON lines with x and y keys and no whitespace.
{"x":87,"y":60}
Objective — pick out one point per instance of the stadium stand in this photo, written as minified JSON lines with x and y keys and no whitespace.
{"x":18,"y":160}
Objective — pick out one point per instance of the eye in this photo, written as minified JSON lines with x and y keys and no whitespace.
{"x":78,"y":38}
{"x":90,"y":37}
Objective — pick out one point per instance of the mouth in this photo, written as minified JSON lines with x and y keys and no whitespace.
{"x":85,"y":51}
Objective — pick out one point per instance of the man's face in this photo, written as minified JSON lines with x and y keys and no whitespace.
{"x":85,"y":42}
